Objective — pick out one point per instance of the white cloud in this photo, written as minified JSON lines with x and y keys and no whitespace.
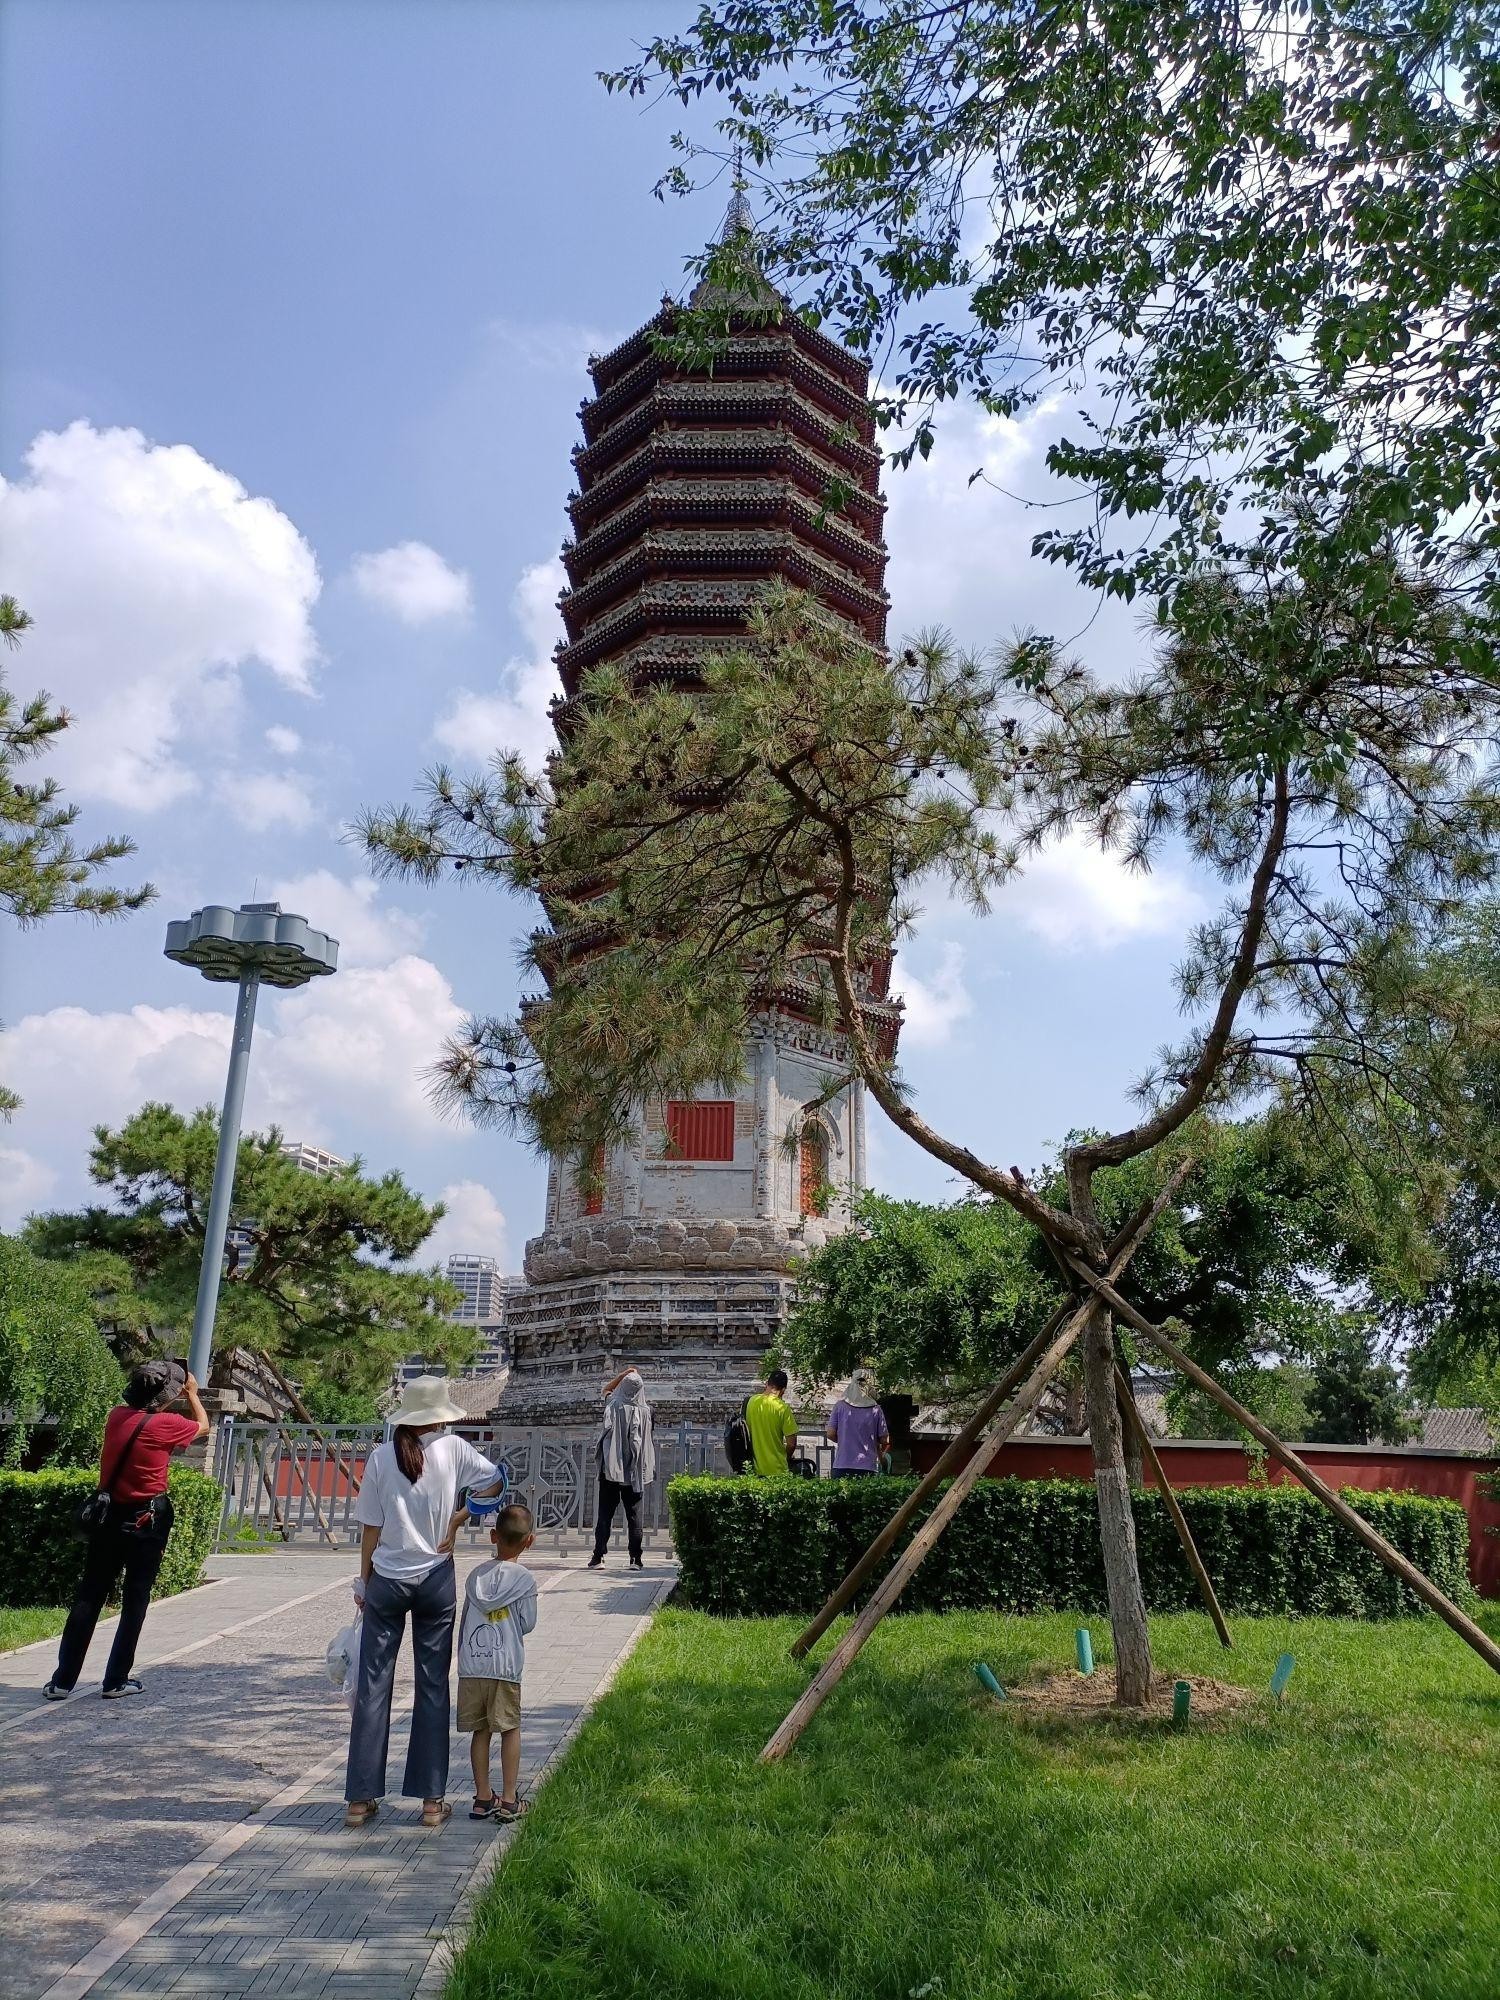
{"x":263,"y":799}
{"x":350,"y":910}
{"x":514,"y":716}
{"x":356,"y":1049}
{"x":552,"y":347}
{"x":934,"y":1006}
{"x":1076,"y":896}
{"x":342,"y":1062}
{"x":26,"y":1183}
{"x":412,"y":581}
{"x":153,"y":578}
{"x":285,"y":742}
{"x":961,"y":552}
{"x":475,"y":1224}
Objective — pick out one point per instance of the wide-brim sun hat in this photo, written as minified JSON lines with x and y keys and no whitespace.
{"x":860,"y":1394}
{"x":426,"y":1400}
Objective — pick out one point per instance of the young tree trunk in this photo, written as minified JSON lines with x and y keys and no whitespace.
{"x":1127,"y":1606}
{"x":1135,"y":1469}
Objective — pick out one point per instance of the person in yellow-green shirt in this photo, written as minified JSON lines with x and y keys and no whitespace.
{"x":773,"y":1429}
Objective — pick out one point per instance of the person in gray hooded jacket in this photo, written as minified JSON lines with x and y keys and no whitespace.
{"x":627,"y":1463}
{"x":499,"y":1610}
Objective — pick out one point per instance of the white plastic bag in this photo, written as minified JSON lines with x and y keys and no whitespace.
{"x":342,"y":1659}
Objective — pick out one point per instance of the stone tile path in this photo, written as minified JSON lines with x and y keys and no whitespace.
{"x":189,"y":1841}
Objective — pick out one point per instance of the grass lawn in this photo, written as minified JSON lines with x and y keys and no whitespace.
{"x":19,"y":1626}
{"x":923,"y":1841}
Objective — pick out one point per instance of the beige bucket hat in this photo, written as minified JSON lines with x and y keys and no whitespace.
{"x":860,"y":1394}
{"x":426,"y":1400}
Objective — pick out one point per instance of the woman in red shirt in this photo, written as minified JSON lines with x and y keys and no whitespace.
{"x":140,"y":1436}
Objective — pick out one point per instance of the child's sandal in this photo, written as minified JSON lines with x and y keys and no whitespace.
{"x":483,"y":1808}
{"x":507,"y":1811}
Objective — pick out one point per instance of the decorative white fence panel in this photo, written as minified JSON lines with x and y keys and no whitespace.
{"x":297,"y":1482}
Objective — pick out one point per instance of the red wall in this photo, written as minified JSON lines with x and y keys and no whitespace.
{"x":1187,"y":1462}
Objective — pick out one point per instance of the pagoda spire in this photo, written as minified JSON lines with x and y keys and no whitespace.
{"x":739,"y":217}
{"x":745,"y":286}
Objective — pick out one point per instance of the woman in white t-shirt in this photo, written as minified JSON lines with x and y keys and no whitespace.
{"x":406,"y":1502}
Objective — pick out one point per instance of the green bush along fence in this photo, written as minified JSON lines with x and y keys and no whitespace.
{"x":40,"y":1559}
{"x":772,"y":1545}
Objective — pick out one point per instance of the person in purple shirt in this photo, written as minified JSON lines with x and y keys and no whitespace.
{"x":858,"y":1428}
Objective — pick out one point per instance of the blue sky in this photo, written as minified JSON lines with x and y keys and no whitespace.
{"x":298,"y":298}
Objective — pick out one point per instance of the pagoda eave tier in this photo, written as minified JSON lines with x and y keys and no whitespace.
{"x":715,"y":552}
{"x":881,"y":1019}
{"x":747,"y":357}
{"x":735,"y":454}
{"x":732,"y":404}
{"x":710,"y":610}
{"x":761,"y":503}
{"x":578,"y":941}
{"x":606,"y":369}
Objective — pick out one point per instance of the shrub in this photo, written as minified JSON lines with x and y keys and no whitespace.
{"x":764,"y":1546}
{"x":40,"y":1560}
{"x":56,"y":1373}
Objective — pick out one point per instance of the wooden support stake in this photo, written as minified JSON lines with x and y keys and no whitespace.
{"x":954,"y":1453}
{"x":905,"y":1567}
{"x":267,"y":1480}
{"x":1133,"y":1417}
{"x":1357,"y":1525}
{"x":1121,"y":1250}
{"x":301,"y":1410}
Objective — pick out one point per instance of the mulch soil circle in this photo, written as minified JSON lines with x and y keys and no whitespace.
{"x":1085,"y":1696}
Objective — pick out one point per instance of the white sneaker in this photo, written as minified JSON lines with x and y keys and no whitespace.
{"x":131,"y":1686}
{"x":52,"y":1692}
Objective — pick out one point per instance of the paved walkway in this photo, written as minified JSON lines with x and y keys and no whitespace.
{"x":189,"y":1841}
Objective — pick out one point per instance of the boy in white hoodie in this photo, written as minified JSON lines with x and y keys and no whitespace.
{"x":499,"y":1610}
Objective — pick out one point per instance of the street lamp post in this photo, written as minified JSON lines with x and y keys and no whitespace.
{"x":255,"y":945}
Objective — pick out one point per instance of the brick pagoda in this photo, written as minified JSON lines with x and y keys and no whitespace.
{"x":696,"y":489}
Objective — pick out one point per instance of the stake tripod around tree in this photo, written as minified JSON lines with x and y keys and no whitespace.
{"x":1145,"y":1451}
{"x":808,"y":1703}
{"x":1375,"y":1542}
{"x":966,"y":1444}
{"x":925,"y":1539}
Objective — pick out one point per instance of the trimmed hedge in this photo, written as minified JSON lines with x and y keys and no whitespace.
{"x":40,"y":1561}
{"x":773,"y":1545}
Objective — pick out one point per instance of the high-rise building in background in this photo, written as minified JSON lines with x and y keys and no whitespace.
{"x":487,"y":1291}
{"x":312,"y":1159}
{"x":482,"y":1283}
{"x":698,"y":487}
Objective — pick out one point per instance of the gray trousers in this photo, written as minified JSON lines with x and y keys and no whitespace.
{"x":430,"y":1605}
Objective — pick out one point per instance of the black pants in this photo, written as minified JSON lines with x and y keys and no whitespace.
{"x":110,"y":1552}
{"x":429,"y":1604}
{"x":612,"y":1495}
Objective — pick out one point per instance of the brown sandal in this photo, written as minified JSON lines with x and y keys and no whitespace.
{"x":436,"y":1813}
{"x":359,"y":1812}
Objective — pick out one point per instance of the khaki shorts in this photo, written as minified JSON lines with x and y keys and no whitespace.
{"x":491,"y":1705}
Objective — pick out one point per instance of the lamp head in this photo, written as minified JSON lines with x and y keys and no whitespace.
{"x":225,"y":944}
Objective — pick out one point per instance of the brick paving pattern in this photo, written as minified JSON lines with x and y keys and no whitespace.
{"x":190,"y":1841}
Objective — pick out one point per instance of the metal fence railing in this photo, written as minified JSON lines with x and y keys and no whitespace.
{"x":297,"y":1482}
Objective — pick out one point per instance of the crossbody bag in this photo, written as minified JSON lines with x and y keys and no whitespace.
{"x":94,"y":1512}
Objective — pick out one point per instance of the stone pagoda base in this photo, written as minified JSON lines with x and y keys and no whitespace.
{"x":698,"y":1338}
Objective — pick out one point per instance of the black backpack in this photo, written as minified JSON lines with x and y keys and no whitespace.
{"x":738,"y":1448}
